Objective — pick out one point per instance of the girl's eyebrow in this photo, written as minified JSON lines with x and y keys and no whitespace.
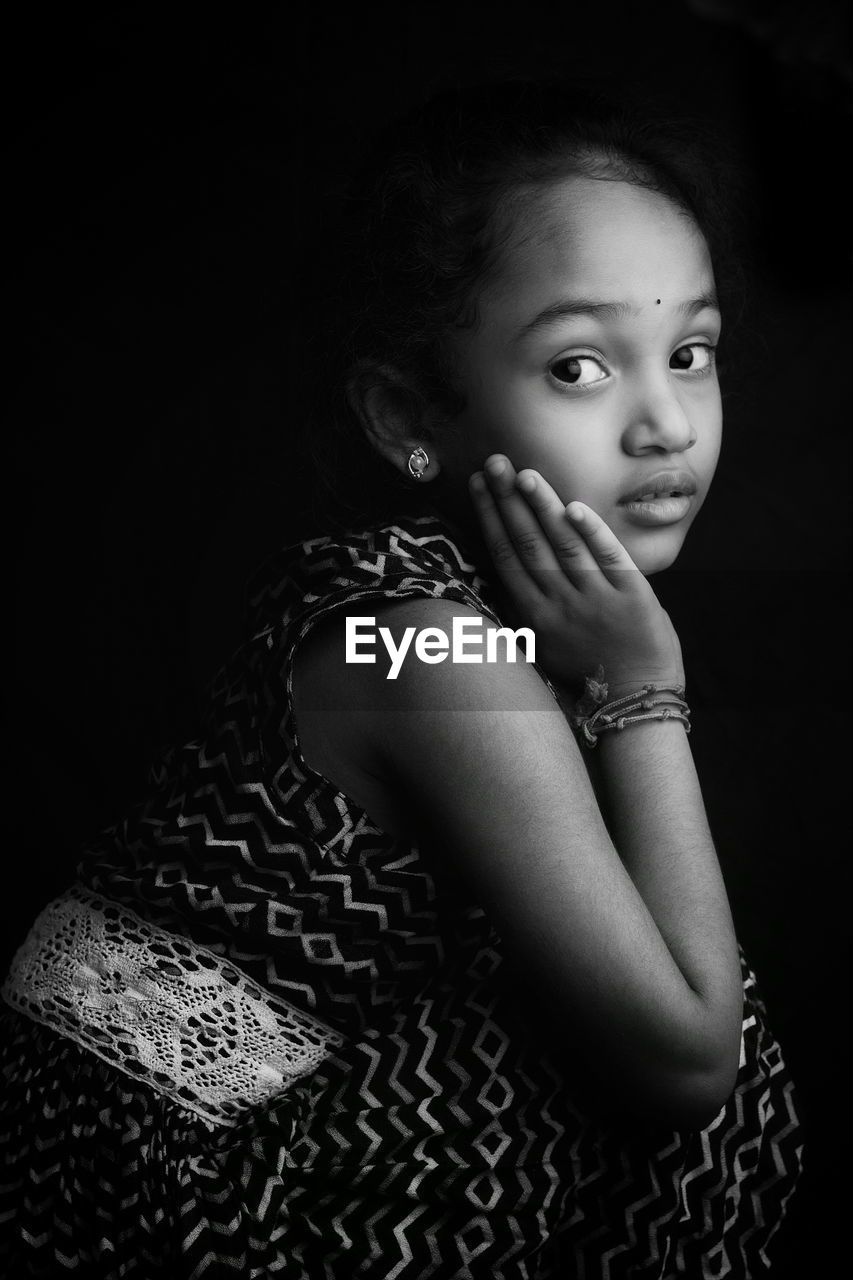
{"x":607,"y":311}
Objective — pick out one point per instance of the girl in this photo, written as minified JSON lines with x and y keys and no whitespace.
{"x":419,"y":962}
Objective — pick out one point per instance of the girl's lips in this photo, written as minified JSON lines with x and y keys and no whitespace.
{"x":661,"y":484}
{"x":663,"y":509}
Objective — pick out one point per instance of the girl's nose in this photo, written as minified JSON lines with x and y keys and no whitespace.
{"x":659,"y":422}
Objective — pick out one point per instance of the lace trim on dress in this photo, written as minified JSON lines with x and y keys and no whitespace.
{"x":162,"y":1009}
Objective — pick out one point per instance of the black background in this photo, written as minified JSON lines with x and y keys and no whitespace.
{"x":171,"y":177}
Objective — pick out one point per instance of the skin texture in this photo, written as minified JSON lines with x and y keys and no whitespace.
{"x":611,"y":904}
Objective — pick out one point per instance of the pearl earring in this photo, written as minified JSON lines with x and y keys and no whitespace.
{"x":418,"y":463}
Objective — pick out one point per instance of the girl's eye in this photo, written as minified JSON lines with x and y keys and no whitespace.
{"x":578,"y":371}
{"x":696,"y":357}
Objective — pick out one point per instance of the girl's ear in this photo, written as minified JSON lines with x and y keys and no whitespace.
{"x":392,"y":416}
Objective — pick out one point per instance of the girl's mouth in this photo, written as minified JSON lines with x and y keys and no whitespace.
{"x":658,"y":508}
{"x":662,"y":498}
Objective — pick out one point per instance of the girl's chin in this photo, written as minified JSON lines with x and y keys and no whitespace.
{"x":656,"y":551}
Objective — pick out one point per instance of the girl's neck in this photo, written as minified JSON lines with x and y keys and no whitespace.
{"x":456,"y":512}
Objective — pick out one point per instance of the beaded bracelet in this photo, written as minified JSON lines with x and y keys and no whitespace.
{"x":594,"y":715}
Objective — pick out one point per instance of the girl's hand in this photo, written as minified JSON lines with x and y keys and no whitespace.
{"x":568,"y":577}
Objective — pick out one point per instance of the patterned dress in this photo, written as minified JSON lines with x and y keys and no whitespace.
{"x":440,"y":1140}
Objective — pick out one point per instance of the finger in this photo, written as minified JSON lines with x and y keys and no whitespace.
{"x":610,"y":555}
{"x":572,"y":556}
{"x":532,"y":545}
{"x":500,"y":545}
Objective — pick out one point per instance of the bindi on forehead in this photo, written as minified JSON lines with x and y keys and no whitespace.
{"x":565,"y":309}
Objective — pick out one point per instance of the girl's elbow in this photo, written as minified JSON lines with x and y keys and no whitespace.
{"x":698,"y":1103}
{"x":681,"y":1091}
{"x":668,"y":1103}
{"x":693,"y":1099}
{"x":662,"y":1099}
{"x":704,"y":1075}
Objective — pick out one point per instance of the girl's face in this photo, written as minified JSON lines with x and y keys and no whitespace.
{"x":593,"y":362}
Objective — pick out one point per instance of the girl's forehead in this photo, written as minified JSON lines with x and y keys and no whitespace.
{"x":592,"y":234}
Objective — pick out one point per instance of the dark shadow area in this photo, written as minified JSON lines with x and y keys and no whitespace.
{"x":172,"y":183}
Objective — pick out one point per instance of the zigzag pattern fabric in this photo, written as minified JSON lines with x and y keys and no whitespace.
{"x":440,"y":1140}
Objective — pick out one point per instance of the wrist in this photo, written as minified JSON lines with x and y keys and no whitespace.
{"x":605,"y":709}
{"x":663,"y":680}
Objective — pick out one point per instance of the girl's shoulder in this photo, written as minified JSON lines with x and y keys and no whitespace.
{"x":366,"y":623}
{"x":299,"y":605}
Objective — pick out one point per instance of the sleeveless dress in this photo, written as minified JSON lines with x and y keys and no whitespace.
{"x":439,"y":1140}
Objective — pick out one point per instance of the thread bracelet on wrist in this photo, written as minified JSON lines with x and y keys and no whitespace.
{"x":594,"y":714}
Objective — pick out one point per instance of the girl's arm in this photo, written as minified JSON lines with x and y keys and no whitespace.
{"x":634,"y":961}
{"x":575,"y":582}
